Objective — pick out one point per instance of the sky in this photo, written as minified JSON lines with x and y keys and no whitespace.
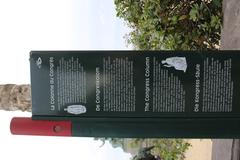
{"x":53,"y":25}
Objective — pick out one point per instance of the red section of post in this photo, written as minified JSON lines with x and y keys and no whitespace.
{"x":27,"y":126}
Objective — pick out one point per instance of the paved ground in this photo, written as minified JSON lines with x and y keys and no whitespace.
{"x":229,"y":149}
{"x":230,"y":38}
{"x":225,"y":149}
{"x":200,"y":149}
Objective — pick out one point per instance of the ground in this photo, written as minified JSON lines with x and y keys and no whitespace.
{"x":230,"y":38}
{"x":201,"y":149}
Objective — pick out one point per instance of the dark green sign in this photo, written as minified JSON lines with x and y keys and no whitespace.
{"x":166,"y":93}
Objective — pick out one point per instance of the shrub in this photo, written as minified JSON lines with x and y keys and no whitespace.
{"x":168,"y":149}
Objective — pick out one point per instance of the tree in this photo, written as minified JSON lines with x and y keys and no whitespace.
{"x":15,"y":97}
{"x":172,"y":24}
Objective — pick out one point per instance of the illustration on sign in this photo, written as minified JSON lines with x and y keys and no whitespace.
{"x":179,"y":63}
{"x":76,"y":109}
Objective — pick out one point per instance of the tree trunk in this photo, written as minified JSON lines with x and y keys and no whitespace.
{"x":15,"y":97}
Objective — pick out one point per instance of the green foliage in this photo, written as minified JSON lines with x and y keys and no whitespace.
{"x":168,"y":149}
{"x":172,"y":24}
